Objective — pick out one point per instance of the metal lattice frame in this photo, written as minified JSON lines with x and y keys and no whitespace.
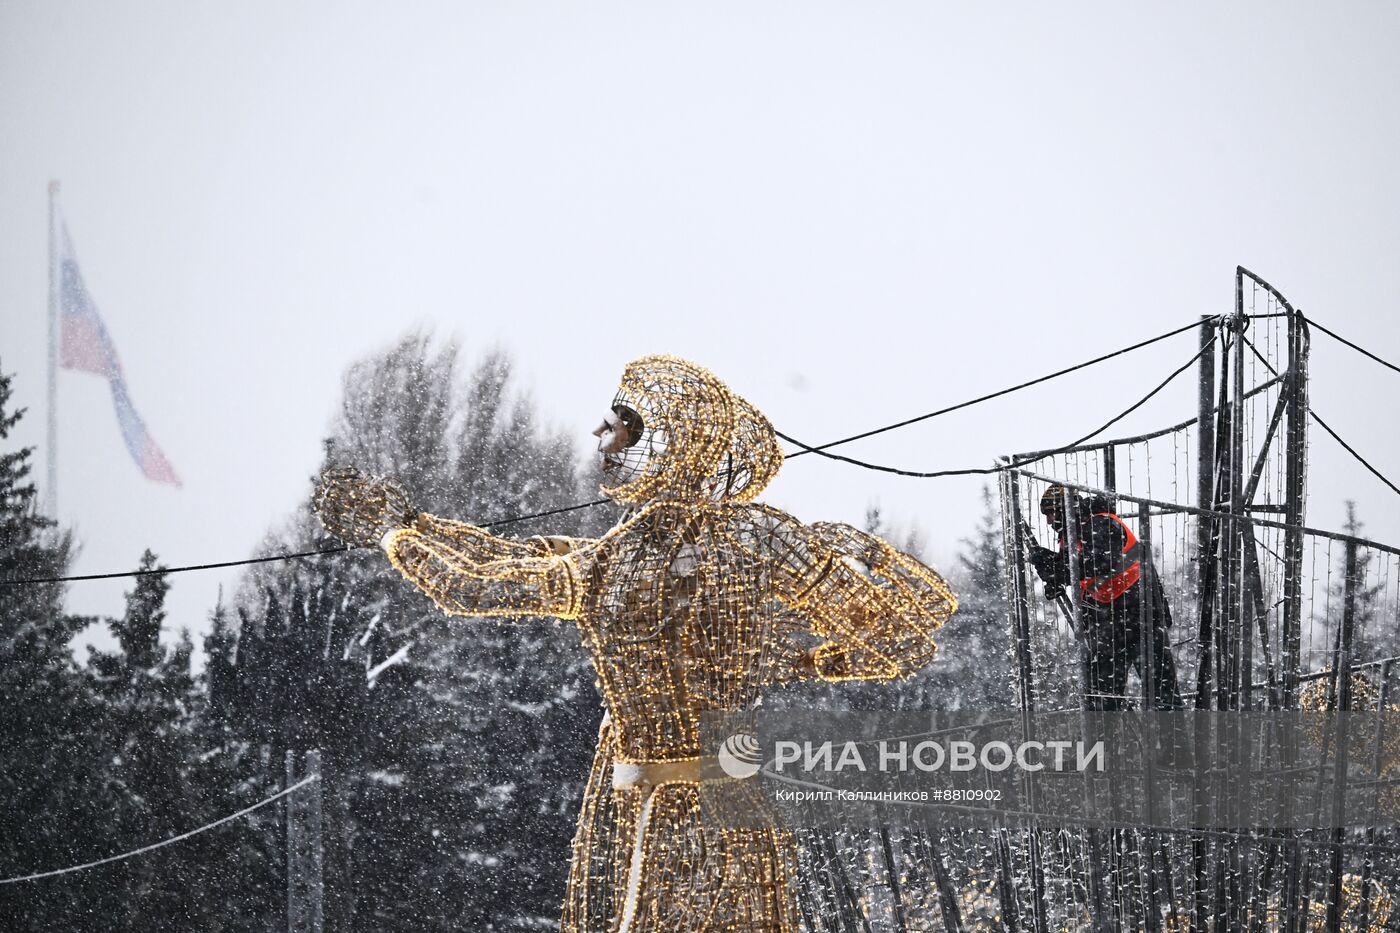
{"x":1262,"y":624}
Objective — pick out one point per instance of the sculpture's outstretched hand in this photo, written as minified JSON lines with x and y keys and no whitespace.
{"x":358,"y":508}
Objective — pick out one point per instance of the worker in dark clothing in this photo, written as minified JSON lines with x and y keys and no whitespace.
{"x":1118,"y":594}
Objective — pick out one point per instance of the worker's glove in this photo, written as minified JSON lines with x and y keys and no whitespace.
{"x":1043,"y":560}
{"x":360,"y":509}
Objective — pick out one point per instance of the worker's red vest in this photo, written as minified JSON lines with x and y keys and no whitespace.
{"x":1127,"y":569}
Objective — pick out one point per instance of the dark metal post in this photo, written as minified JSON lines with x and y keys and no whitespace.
{"x":1236,"y":632}
{"x":1019,"y":592}
{"x":1147,"y":648}
{"x":901,"y":924}
{"x":1295,"y":463}
{"x":926,"y":853}
{"x":1020,"y":611}
{"x":1210,"y":671}
{"x":1255,"y":607}
{"x":1377,"y":766}
{"x":296,"y":848}
{"x":1205,"y":448}
{"x":304,"y":892}
{"x":1211,"y":677}
{"x":1006,"y":883}
{"x":1245,"y":616}
{"x":1342,"y":672}
{"x":1011,"y":545}
{"x":1240,"y":635}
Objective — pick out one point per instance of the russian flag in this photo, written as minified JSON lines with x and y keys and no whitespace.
{"x":85,"y":345}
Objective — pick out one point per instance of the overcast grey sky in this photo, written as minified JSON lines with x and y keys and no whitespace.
{"x":852,"y":212}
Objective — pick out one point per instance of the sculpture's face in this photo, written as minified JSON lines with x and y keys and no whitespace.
{"x":675,"y":432}
{"x":626,"y":445}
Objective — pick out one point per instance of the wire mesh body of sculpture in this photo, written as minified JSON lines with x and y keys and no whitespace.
{"x":693,"y":603}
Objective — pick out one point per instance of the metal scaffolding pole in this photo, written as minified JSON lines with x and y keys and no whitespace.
{"x":1205,"y":448}
{"x":1294,"y":504}
{"x":304,"y":882}
{"x":1341,"y":673}
{"x":1020,"y":601}
{"x":1236,"y":634}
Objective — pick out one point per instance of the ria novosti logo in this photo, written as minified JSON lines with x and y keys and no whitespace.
{"x":740,"y":756}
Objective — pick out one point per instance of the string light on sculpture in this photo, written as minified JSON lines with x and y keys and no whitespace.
{"x":693,"y":604}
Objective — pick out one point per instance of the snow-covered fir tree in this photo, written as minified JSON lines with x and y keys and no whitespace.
{"x":48,"y":757}
{"x":453,"y":778}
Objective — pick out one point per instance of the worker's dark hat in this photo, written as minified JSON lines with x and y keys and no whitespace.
{"x":1053,"y":499}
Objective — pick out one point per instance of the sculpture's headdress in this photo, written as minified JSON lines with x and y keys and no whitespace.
{"x":698,"y":439}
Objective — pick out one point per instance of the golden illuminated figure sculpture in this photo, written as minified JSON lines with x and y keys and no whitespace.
{"x":693,"y":603}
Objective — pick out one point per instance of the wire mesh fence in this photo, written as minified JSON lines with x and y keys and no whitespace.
{"x":1256,"y":612}
{"x":1242,"y":609}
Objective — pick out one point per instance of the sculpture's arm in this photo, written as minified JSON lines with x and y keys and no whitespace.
{"x":876,"y":607}
{"x":466,"y":570}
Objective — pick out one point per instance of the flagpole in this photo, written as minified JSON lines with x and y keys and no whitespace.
{"x":51,"y":493}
